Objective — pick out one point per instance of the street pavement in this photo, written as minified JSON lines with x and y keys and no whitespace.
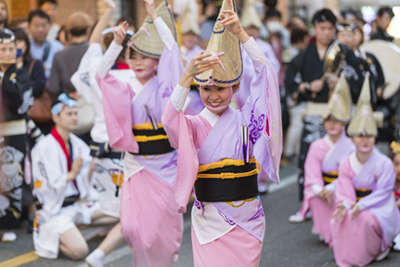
{"x":285,"y":244}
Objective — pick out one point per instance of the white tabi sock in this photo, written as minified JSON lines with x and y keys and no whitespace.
{"x":96,"y":258}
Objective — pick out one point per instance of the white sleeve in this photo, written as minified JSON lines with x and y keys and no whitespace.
{"x":178,"y":97}
{"x":316,"y":189}
{"x":254,"y":51}
{"x":331,"y":186}
{"x":108,"y":59}
{"x":165,"y":33}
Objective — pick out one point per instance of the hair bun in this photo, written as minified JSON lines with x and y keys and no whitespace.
{"x":271,"y":3}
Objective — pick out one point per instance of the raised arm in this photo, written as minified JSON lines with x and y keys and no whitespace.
{"x":103,"y":22}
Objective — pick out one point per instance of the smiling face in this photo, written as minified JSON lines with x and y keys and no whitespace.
{"x":364,"y":144}
{"x":144,"y":67}
{"x":218,"y":98}
{"x":332,"y":126}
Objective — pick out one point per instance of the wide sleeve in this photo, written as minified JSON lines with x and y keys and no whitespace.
{"x":345,"y":192}
{"x":83,"y":78}
{"x":262,"y":112}
{"x":313,"y":169}
{"x":50,"y":179}
{"x":38,"y":80}
{"x":269,"y":53}
{"x":383,"y":190}
{"x":170,"y":67}
{"x":117,"y":106}
{"x":180,"y":135}
{"x":108,"y":60}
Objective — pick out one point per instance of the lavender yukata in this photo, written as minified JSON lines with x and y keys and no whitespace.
{"x":227,"y":233}
{"x":358,"y":241}
{"x":150,"y":220}
{"x":321,"y":170}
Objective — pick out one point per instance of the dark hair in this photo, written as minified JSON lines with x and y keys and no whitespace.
{"x":387,"y":10}
{"x":324,"y":15}
{"x":298,"y":35}
{"x":63,"y":30}
{"x":6,"y":21}
{"x":38,"y":13}
{"x":272,"y":13}
{"x":109,"y":37}
{"x":78,"y":33}
{"x":42,"y":2}
{"x":290,"y":25}
{"x":127,"y":19}
{"x":20,"y":35}
{"x":15,"y":22}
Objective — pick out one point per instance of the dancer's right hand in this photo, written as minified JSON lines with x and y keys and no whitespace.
{"x":120,"y":33}
{"x":197,"y":65}
{"x":340,"y":212}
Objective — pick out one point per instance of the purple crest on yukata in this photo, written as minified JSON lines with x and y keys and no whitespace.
{"x":197,"y":204}
{"x":256,"y":125}
{"x":200,"y":205}
{"x":173,"y":161}
{"x":167,"y":92}
{"x":259,"y":213}
{"x":230,"y":222}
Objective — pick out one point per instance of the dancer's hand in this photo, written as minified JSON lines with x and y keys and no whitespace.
{"x":109,"y":4}
{"x":120,"y":33}
{"x":340,"y":212}
{"x":197,"y":65}
{"x":151,"y":9}
{"x":355,"y":210}
{"x":231,"y":22}
{"x":329,"y":196}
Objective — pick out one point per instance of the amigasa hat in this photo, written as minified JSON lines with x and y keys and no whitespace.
{"x":363,"y":122}
{"x":250,"y":16}
{"x":339,"y":105}
{"x":188,"y":22}
{"x":146,"y":40}
{"x":226,"y":46}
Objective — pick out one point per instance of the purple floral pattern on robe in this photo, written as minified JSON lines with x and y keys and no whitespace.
{"x":256,"y":125}
{"x":259,"y":213}
{"x":230,"y":222}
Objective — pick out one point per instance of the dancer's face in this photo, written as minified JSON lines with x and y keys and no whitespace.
{"x":144,"y":67}
{"x":333,"y":126}
{"x":215,"y":96}
{"x":189,"y":40}
{"x":364,"y":143}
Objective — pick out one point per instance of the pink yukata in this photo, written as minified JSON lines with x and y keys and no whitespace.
{"x":150,"y":220}
{"x":323,"y":159}
{"x":227,"y":233}
{"x":359,"y":241}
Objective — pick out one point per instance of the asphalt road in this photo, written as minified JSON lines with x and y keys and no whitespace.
{"x":285,"y":244}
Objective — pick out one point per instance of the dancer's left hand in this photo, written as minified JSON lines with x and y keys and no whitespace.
{"x":151,"y":9}
{"x":340,"y":212}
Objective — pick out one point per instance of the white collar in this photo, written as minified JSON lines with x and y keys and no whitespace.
{"x":354,"y":163}
{"x":211,"y":117}
{"x":329,"y":141}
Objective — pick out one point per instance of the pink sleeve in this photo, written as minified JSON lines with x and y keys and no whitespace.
{"x":344,"y":188}
{"x":313,"y":166}
{"x":117,"y":101}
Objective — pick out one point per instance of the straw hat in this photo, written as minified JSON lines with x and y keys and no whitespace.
{"x":78,"y":21}
{"x":226,"y":46}
{"x":339,"y":105}
{"x":250,"y":16}
{"x":188,"y":22}
{"x":146,"y":40}
{"x":363,"y":122}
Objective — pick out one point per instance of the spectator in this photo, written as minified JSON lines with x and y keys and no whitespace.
{"x":383,"y":19}
{"x":42,"y":49}
{"x":209,"y":14}
{"x":50,"y":8}
{"x":21,"y":23}
{"x":3,"y":14}
{"x":299,"y":40}
{"x":62,"y":36}
{"x":374,"y":27}
{"x":25,"y":61}
{"x":66,"y":62}
{"x":297,"y":22}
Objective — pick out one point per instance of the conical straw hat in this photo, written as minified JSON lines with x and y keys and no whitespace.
{"x":188,"y":22}
{"x":339,"y":105}
{"x":146,"y":41}
{"x":226,"y":46}
{"x":250,"y":16}
{"x":363,"y":122}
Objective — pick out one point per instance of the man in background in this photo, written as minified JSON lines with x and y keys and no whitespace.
{"x":383,"y":19}
{"x":50,"y":8}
